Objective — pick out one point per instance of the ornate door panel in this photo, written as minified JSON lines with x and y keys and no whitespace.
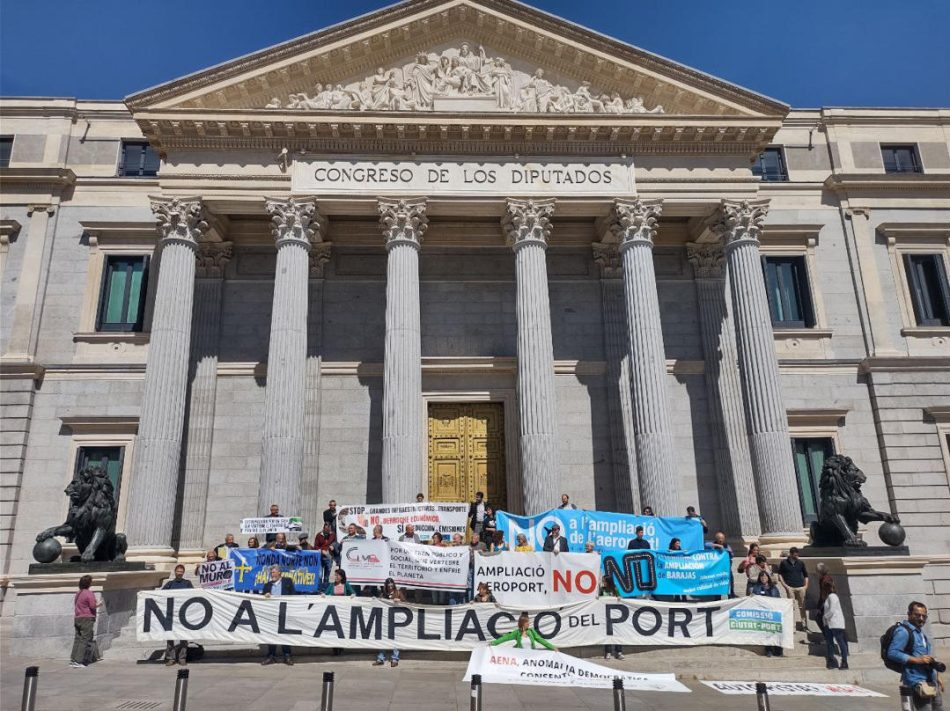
{"x":467,"y":452}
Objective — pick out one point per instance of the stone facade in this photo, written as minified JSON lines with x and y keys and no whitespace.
{"x":470,"y":321}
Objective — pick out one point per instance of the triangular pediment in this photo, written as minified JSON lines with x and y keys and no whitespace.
{"x":448,"y":56}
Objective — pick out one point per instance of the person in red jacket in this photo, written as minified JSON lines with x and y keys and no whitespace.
{"x":325,"y":543}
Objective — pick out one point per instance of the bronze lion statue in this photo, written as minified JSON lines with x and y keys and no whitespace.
{"x":842,"y":505}
{"x":91,"y":518}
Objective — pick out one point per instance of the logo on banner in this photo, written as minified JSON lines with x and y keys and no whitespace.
{"x":745,"y":620}
{"x":354,"y":556}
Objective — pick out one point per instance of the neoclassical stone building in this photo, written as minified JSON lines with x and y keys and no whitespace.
{"x":460,"y":245}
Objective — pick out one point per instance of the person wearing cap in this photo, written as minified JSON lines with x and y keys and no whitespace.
{"x":555,"y":542}
{"x":303,"y":542}
{"x":639,"y":543}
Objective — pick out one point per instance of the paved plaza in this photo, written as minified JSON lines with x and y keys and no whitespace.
{"x":416,"y":685}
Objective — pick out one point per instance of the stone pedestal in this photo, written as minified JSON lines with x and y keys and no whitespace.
{"x":43,"y":609}
{"x":874,"y":590}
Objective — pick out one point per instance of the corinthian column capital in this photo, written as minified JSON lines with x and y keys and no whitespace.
{"x":634,"y":221}
{"x":403,"y":221}
{"x":179,"y":220}
{"x":739,"y":220}
{"x":706,"y":258}
{"x":213,"y":257}
{"x":607,"y":259}
{"x":527,"y":221}
{"x":295,"y":221}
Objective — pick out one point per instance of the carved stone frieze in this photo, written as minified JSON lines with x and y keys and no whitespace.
{"x":635,"y":221}
{"x":607,"y":259}
{"x":179,"y":219}
{"x":740,"y":220}
{"x":527,"y":221}
{"x":212,"y":258}
{"x":295,"y":221}
{"x":436,"y":81}
{"x":319,"y":256}
{"x":706,"y":258}
{"x":403,"y":220}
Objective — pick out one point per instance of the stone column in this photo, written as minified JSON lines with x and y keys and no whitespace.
{"x":740,"y":509}
{"x":739,"y":225}
{"x":212,"y":259}
{"x":403,"y":223}
{"x":154,"y":490}
{"x":634,"y":227}
{"x":527,"y":226}
{"x":296,"y":225}
{"x":619,"y":401}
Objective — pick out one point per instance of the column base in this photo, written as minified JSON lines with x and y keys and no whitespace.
{"x":191,"y":556}
{"x":162,"y":557}
{"x":777,"y":544}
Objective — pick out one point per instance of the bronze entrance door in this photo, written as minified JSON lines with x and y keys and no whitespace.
{"x":467,"y":452}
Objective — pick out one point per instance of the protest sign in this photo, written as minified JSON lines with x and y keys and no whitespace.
{"x":607,"y":531}
{"x":539,"y":579}
{"x":426,"y":518}
{"x":252,"y":568}
{"x":410,"y":565}
{"x":668,"y":573}
{"x":792,"y":688}
{"x":508,"y":665}
{"x":271,"y":524}
{"x":368,"y":623}
{"x":215,"y":574}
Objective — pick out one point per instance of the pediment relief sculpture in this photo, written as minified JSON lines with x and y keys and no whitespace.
{"x":462,"y":79}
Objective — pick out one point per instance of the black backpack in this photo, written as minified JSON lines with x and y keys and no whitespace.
{"x":886,"y":640}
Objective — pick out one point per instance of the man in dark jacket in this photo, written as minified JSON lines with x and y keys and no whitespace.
{"x":278,"y":586}
{"x":176,"y":650}
{"x":638,"y":543}
{"x":555,"y":542}
{"x":476,"y":514}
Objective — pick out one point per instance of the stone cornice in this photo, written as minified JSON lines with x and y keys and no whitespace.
{"x":372,"y":39}
{"x":896,"y":231}
{"x":51,"y":179}
{"x":848,"y":183}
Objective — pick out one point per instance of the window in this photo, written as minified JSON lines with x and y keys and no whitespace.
{"x":900,"y":159}
{"x":770,"y":165}
{"x":109,"y":458}
{"x":138,"y":159}
{"x":786,"y":282}
{"x":122,"y":300}
{"x":6,"y":148}
{"x":929,"y":291}
{"x":809,"y":454}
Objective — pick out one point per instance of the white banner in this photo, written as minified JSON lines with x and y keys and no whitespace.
{"x":507,"y":665}
{"x":539,"y":579}
{"x":271,"y":524}
{"x":410,"y":565}
{"x":488,"y":176}
{"x":426,"y":518}
{"x":215,"y":574}
{"x":366,"y":623}
{"x":792,"y":688}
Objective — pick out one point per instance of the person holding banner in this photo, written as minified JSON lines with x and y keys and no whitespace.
{"x":555,"y":542}
{"x":326,"y":544}
{"x":521,"y":544}
{"x":410,"y":535}
{"x":524,"y":633}
{"x":638,"y":543}
{"x":764,"y":586}
{"x":393,"y":594}
{"x":278,"y":586}
{"x":483,"y":594}
{"x":340,"y":587}
{"x":252,"y":542}
{"x":274,"y":513}
{"x":210,"y":557}
{"x":176,"y":651}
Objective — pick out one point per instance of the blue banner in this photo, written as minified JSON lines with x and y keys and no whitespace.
{"x":635,"y":573}
{"x":607,"y":531}
{"x":252,"y":568}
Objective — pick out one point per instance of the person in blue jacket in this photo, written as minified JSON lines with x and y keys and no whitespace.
{"x":912,"y":649}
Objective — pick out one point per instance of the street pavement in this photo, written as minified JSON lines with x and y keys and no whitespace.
{"x":416,"y":685}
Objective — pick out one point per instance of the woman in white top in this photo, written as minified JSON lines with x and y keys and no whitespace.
{"x":833,"y":617}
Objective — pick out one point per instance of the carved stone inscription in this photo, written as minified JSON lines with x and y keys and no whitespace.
{"x":501,"y":177}
{"x":462,"y":79}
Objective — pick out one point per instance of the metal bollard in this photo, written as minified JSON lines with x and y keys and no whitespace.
{"x":907,"y":698}
{"x":620,"y":701}
{"x":29,"y":689}
{"x":326,"y":700}
{"x":762,"y":696}
{"x":475,"y":703}
{"x":181,"y":691}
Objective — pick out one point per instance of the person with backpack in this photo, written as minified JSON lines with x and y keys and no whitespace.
{"x":834,"y":629}
{"x":906,"y":649}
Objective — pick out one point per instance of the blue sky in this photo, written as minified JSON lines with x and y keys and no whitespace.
{"x":807,"y":53}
